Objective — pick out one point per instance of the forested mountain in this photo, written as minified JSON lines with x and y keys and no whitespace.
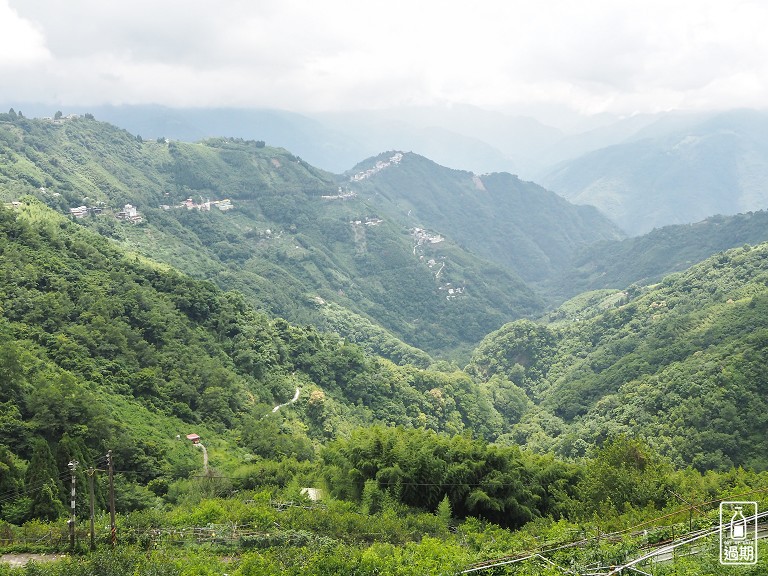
{"x":296,"y":237}
{"x":592,"y":420}
{"x":673,"y":173}
{"x":517,"y":224}
{"x":656,"y":254}
{"x":682,"y":363}
{"x":105,"y":350}
{"x":431,"y":254}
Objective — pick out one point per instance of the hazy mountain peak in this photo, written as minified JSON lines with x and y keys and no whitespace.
{"x":682,"y":169}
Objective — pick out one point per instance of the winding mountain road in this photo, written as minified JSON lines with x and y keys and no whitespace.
{"x":291,"y":401}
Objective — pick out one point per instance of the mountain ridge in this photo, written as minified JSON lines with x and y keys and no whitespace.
{"x":518,"y":224}
{"x":292,"y":234}
{"x":676,"y":174}
{"x":658,"y":253}
{"x":675,"y":362}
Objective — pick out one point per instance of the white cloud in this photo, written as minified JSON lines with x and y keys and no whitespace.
{"x":21,"y":43}
{"x":618,"y":56}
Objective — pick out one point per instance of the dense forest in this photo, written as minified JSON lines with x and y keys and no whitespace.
{"x":577,"y":439}
{"x":682,"y":363}
{"x":103,"y":350}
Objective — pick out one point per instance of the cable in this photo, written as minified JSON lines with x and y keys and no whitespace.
{"x":9,"y":495}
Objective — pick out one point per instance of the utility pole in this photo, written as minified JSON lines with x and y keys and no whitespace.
{"x":113,"y":527}
{"x":91,"y":474}
{"x":72,"y":467}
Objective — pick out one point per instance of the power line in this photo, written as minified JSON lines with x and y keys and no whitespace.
{"x":10,"y":495}
{"x":691,"y":537}
{"x":28,"y":490}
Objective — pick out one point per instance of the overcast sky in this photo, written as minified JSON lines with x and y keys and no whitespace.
{"x":588,"y":56}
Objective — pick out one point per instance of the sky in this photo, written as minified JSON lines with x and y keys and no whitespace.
{"x":517,"y":56}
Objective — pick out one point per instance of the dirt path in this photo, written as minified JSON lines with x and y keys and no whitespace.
{"x":18,"y":560}
{"x":205,"y":457}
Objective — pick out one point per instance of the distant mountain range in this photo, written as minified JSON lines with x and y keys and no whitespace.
{"x":461,"y":137}
{"x":643,"y":172}
{"x":675,"y":171}
{"x":298,"y":238}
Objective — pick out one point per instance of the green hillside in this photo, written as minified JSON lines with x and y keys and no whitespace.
{"x":295,"y":233}
{"x":106,"y":350}
{"x":681,"y":363}
{"x":516,"y":224}
{"x":656,"y":254}
{"x":565,"y":443}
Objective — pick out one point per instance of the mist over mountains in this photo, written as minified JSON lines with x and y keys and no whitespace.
{"x":643,"y":172}
{"x":673,"y":172}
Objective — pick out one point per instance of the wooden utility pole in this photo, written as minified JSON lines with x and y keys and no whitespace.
{"x":112,"y":524}
{"x":72,"y":467}
{"x":91,"y":474}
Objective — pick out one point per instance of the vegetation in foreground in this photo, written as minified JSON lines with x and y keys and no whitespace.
{"x":616,"y":506}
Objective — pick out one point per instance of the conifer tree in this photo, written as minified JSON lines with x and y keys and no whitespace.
{"x":43,"y":484}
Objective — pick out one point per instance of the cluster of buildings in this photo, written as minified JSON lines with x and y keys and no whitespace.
{"x":130,"y":214}
{"x":424,"y":237}
{"x":341,"y":195}
{"x":190,"y":204}
{"x":60,"y":118}
{"x":369,"y":221}
{"x":83,"y":211}
{"x":378,"y":167}
{"x":452,"y":292}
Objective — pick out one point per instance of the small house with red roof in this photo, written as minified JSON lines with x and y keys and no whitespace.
{"x":194,"y":438}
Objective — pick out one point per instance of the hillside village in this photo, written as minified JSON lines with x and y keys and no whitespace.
{"x":423,"y":236}
{"x":342,"y":194}
{"x":130,"y":213}
{"x":378,"y":167}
